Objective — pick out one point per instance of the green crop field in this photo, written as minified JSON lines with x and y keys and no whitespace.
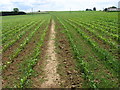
{"x":85,"y":45}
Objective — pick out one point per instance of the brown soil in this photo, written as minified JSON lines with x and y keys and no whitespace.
{"x":100,"y":42}
{"x":70,"y":77}
{"x":15,"y":35}
{"x":11,"y":75}
{"x":89,"y":52}
{"x":51,"y":76}
{"x":39,"y":68}
{"x":54,"y":69}
{"x":9,"y":51}
{"x":46,"y":76}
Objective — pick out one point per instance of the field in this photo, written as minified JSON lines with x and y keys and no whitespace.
{"x":61,"y":50}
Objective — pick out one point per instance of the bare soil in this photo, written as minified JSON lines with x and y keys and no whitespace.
{"x":70,"y":76}
{"x":10,"y":50}
{"x":11,"y":75}
{"x":38,"y":79}
{"x":56,"y":67}
{"x":52,"y":77}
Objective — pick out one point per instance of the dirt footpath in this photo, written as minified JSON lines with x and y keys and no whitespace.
{"x":52,"y":78}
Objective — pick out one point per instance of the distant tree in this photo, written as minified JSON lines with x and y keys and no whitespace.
{"x":94,"y":9}
{"x":88,"y":9}
{"x":15,"y":9}
{"x":113,"y":7}
{"x":105,"y":9}
{"x":38,"y":10}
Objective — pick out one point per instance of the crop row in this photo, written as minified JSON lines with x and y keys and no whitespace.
{"x":7,"y":30}
{"x":22,"y":45}
{"x":82,"y":64}
{"x":16,"y":24}
{"x":9,"y":22}
{"x":15,"y":32}
{"x":32,"y":61}
{"x":19,"y":36}
{"x":105,"y":56}
{"x":110,"y":28}
{"x":105,"y":40}
{"x":103,"y":28}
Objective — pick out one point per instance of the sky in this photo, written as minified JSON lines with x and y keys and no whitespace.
{"x":55,"y":5}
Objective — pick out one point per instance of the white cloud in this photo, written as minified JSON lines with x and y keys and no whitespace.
{"x":56,"y":4}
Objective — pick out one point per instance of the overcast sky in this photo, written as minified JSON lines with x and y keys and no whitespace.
{"x":55,"y":5}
